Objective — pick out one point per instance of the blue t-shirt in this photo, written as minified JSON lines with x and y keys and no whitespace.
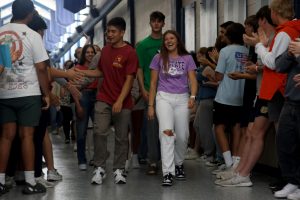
{"x":232,"y":58}
{"x":204,"y":91}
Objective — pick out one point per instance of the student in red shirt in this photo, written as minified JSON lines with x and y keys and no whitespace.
{"x":118,"y":65}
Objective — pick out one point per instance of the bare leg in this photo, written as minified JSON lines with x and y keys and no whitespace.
{"x":245,"y":148}
{"x":221,"y":137}
{"x":257,"y":134}
{"x":236,"y":132}
{"x":48,"y":152}
{"x":27,"y":146}
{"x":8,"y":132}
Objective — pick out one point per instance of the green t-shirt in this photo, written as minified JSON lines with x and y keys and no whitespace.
{"x":146,"y":50}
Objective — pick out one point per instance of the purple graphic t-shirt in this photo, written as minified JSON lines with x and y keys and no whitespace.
{"x":174,"y":81}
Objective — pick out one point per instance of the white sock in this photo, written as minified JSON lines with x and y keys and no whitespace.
{"x":29,"y":177}
{"x":236,"y":161}
{"x":227,"y":158}
{"x":2,"y":178}
{"x":233,"y":158}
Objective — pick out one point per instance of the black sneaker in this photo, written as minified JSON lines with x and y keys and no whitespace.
{"x":34,"y":189}
{"x":179,"y":172}
{"x":167,"y":180}
{"x":3,"y":189}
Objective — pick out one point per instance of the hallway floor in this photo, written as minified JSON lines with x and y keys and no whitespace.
{"x":198,"y":186}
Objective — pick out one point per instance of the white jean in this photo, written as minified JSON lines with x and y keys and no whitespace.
{"x":173,"y":114}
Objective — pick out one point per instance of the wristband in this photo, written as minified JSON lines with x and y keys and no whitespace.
{"x":192,"y":97}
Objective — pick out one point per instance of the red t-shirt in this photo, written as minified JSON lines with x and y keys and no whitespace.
{"x":116,"y":64}
{"x":92,"y":85}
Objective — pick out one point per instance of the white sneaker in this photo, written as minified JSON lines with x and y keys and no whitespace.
{"x":82,"y":167}
{"x":53,"y":175}
{"x":191,"y":154}
{"x":135,"y":161}
{"x":99,"y":176}
{"x":295,"y":195}
{"x":227,"y":174}
{"x":220,"y":168}
{"x":287,"y":190}
{"x":44,"y":182}
{"x":119,"y":177}
{"x":236,"y":181}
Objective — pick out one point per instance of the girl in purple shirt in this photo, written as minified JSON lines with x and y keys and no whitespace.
{"x":172,"y":72}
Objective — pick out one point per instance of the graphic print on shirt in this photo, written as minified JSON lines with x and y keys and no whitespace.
{"x":118,"y":62}
{"x":14,"y":41}
{"x":14,"y":76}
{"x":241,"y":59}
{"x":176,"y":68}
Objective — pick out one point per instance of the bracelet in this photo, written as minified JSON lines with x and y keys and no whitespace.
{"x":192,"y":97}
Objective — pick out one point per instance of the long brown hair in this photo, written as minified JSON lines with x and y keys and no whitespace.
{"x":164,"y":54}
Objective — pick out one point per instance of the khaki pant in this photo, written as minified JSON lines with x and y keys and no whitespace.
{"x":103,"y":118}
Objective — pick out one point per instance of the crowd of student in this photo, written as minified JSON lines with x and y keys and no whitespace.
{"x":233,"y":90}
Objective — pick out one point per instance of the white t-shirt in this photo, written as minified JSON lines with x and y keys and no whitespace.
{"x":27,"y":48}
{"x":232,"y":58}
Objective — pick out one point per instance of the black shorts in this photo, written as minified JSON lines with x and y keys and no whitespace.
{"x":260,"y":109}
{"x":248,"y":102}
{"x":24,"y":111}
{"x":226,"y":114}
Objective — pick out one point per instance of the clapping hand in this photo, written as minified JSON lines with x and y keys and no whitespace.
{"x":297,"y":80}
{"x":235,"y":75}
{"x":294,"y":47}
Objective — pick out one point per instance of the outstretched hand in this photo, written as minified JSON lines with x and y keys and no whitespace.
{"x":75,"y":74}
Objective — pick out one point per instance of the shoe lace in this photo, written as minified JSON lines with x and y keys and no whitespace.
{"x":168,"y":177}
{"x":180,"y":169}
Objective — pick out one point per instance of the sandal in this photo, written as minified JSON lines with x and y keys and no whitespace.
{"x":3,"y":189}
{"x":37,"y":188}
